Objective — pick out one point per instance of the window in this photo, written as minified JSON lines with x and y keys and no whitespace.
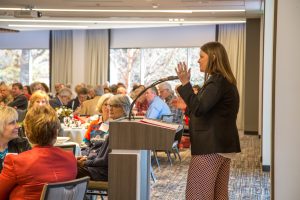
{"x":150,"y":64}
{"x":24,"y":65}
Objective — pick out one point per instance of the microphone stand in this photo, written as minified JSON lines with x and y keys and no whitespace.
{"x":141,"y":93}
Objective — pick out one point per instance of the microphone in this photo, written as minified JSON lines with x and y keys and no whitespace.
{"x":169,"y":78}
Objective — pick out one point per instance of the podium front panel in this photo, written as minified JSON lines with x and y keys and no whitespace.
{"x":139,"y":136}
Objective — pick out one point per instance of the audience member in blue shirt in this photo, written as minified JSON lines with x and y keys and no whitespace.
{"x":157,"y":107}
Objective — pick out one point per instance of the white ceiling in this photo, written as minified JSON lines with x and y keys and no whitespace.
{"x":101,"y":14}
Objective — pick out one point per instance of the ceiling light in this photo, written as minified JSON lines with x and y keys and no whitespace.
{"x":126,"y":11}
{"x":45,"y":26}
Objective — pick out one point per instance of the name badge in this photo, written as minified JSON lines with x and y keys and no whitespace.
{"x":104,"y":127}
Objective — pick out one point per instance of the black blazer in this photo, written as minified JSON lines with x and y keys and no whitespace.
{"x":213,"y":112}
{"x":20,"y":102}
{"x":55,"y":103}
{"x":97,"y":165}
{"x":17,"y":145}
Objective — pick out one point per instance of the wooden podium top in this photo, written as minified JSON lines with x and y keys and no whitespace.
{"x":142,"y":135}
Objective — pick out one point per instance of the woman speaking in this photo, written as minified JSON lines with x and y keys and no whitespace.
{"x":213,"y":112}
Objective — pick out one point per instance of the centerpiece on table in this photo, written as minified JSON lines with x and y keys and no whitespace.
{"x":63,"y":112}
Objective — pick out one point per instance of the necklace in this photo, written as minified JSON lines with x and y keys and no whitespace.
{"x":3,"y":153}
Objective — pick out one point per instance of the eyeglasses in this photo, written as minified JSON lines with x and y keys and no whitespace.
{"x":161,"y":91}
{"x":114,"y":105}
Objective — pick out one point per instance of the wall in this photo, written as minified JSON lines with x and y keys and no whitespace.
{"x":267,"y":83}
{"x":25,"y":40}
{"x":252,"y":75}
{"x":287,"y":97}
{"x":184,"y":36}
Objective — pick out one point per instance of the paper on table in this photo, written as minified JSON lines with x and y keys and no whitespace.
{"x":160,"y":124}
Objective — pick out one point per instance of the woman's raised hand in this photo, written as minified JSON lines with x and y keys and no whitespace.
{"x":183,"y":73}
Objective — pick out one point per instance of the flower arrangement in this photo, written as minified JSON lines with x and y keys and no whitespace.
{"x":63,"y":112}
{"x":72,"y":122}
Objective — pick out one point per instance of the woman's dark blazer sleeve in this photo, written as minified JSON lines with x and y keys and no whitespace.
{"x":204,"y":101}
{"x":213,"y":112}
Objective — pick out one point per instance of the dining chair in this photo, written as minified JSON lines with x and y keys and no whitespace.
{"x":67,"y":147}
{"x":98,"y":188}
{"x":71,"y":190}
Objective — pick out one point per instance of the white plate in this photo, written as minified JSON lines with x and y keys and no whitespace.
{"x":61,"y":140}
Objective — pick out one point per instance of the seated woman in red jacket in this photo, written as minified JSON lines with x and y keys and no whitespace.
{"x":24,"y":175}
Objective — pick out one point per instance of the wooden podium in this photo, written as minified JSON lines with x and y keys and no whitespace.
{"x":129,"y":161}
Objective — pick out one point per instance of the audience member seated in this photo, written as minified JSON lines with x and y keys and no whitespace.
{"x":96,"y":164}
{"x":157,"y":107}
{"x":57,"y":87}
{"x":19,"y":101}
{"x":89,"y":107}
{"x":5,"y":96}
{"x":37,"y":86}
{"x":141,"y":104}
{"x":167,"y":94}
{"x":24,"y":175}
{"x":62,"y":99}
{"x":121,"y":90}
{"x":96,"y":127}
{"x":39,"y":98}
{"x":132,"y":94}
{"x":82,"y":95}
{"x":113,"y":88}
{"x":107,"y":90}
{"x":27,"y":91}
{"x":10,"y":142}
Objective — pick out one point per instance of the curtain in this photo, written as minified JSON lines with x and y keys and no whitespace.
{"x":233,"y":37}
{"x":96,"y":60}
{"x":61,"y":57}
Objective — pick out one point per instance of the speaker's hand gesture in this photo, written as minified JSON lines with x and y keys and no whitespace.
{"x":183,"y":73}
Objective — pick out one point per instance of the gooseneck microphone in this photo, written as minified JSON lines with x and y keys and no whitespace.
{"x":169,"y":78}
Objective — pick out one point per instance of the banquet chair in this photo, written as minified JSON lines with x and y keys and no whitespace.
{"x":175,"y":150}
{"x":98,"y":188}
{"x":67,"y":147}
{"x":71,"y":190}
{"x":21,"y":115}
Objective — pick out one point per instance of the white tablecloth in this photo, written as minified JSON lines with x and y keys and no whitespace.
{"x":75,"y":134}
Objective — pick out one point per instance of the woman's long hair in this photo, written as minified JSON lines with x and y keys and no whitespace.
{"x":218,"y":62}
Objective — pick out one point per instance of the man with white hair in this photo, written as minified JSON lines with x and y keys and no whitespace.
{"x":167,"y":94}
{"x":62,"y":99}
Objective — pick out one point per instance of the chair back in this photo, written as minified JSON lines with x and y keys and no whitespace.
{"x":67,"y":147}
{"x":21,"y":115}
{"x":70,"y":190}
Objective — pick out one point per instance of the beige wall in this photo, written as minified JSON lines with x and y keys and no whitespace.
{"x":286,"y":118}
{"x":252,"y":75}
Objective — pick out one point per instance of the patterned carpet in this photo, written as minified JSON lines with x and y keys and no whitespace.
{"x":247,"y":181}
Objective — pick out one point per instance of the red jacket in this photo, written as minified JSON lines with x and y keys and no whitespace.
{"x":24,"y":175}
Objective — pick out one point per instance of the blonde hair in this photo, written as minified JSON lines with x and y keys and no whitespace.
{"x":101,"y":101}
{"x":7,"y":115}
{"x":41,"y":125}
{"x":39,"y":94}
{"x":218,"y":62}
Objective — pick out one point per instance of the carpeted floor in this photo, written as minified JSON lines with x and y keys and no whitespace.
{"x":247,"y":181}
